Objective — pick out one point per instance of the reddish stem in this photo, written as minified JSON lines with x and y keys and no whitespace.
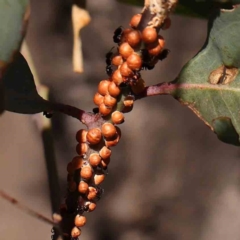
{"x":26,"y":209}
{"x":158,"y":89}
{"x":84,"y":117}
{"x":175,"y":89}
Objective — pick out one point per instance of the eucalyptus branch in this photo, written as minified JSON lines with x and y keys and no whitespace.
{"x":86,"y":118}
{"x":158,"y":89}
{"x":26,"y":209}
{"x":56,"y":217}
{"x":44,"y":126}
{"x":155,"y":12}
{"x":114,"y":97}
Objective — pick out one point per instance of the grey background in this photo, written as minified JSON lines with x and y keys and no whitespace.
{"x":170,"y":178}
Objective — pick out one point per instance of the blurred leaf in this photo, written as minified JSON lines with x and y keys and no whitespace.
{"x":209,"y":84}
{"x":202,"y":8}
{"x":193,"y":8}
{"x":12,"y":27}
{"x":21,"y":95}
{"x":13,"y":15}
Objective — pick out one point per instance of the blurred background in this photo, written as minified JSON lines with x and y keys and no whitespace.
{"x":170,"y":178}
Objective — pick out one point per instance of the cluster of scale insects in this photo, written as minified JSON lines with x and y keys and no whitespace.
{"x":136,"y":51}
{"x":145,"y":56}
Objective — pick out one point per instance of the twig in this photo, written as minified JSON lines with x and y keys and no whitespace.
{"x":26,"y":209}
{"x":56,"y":219}
{"x":155,"y":12}
{"x":158,"y":89}
{"x":44,"y":126}
{"x":50,"y":159}
{"x":43,"y":122}
{"x":146,"y":3}
{"x":84,"y":117}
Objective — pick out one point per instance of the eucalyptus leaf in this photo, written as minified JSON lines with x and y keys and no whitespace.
{"x":21,"y":95}
{"x":12,"y":27}
{"x":209,"y":84}
{"x":13,"y":15}
{"x":225,"y":130}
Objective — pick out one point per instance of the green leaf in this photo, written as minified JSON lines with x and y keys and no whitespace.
{"x":196,"y":8}
{"x":209,"y":84}
{"x":12,"y":27}
{"x":21,"y":95}
{"x":200,"y":8}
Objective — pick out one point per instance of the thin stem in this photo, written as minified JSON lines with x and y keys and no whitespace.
{"x":26,"y":209}
{"x":50,"y":159}
{"x":146,"y":18}
{"x":74,"y":112}
{"x":155,"y":12}
{"x":55,"y":222}
{"x":158,"y":89}
{"x":44,"y":126}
